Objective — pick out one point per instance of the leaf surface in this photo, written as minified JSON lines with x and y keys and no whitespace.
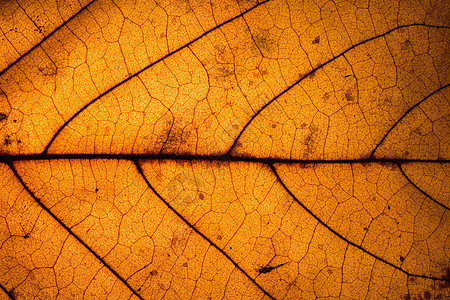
{"x":209,"y":150}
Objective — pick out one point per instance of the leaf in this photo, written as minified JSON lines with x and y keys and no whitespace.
{"x":207,"y":150}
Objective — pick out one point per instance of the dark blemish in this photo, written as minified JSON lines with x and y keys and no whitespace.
{"x":310,"y":140}
{"x":7,"y":141}
{"x":330,"y":271}
{"x":48,"y":71}
{"x":312,"y":75}
{"x":307,"y":139}
{"x":220,"y":50}
{"x":139,"y":289}
{"x":427,"y":295}
{"x":200,"y":196}
{"x":267,"y":269}
{"x":184,"y":265}
{"x":305,"y":165}
{"x":446,"y":277}
{"x":96,"y":190}
{"x":230,"y":247}
{"x":224,"y":72}
{"x":263,"y":42}
{"x":303,"y":125}
{"x":408,"y":45}
{"x":406,"y":153}
{"x":264,"y":72}
{"x":316,"y":40}
{"x":389,"y":207}
{"x":365,"y":228}
{"x":412,"y":279}
{"x":274,"y":125}
{"x":349,"y":96}
{"x":19,"y":141}
{"x":219,"y":237}
{"x":154,"y":272}
{"x":419,"y":130}
{"x":347,"y":76}
{"x":402,"y":258}
{"x":26,"y":235}
{"x":2,"y":117}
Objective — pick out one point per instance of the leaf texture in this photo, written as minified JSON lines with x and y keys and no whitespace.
{"x":244,"y":149}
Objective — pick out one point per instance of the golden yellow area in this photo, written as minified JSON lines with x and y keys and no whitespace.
{"x":237,"y":149}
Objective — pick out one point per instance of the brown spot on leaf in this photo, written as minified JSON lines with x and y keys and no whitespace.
{"x":316,"y":40}
{"x":305,"y":165}
{"x":224,"y":71}
{"x":407,"y":45}
{"x":310,"y":140}
{"x":153,"y":273}
{"x":446,"y":277}
{"x":184,"y":265}
{"x":200,"y":196}
{"x":2,"y":117}
{"x":48,"y":71}
{"x":427,"y":295}
{"x":264,"y":72}
{"x":349,"y":96}
{"x":263,"y":42}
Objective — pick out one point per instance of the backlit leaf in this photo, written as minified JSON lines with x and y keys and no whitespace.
{"x":190,"y":149}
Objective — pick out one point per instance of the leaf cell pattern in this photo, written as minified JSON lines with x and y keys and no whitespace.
{"x":244,"y":149}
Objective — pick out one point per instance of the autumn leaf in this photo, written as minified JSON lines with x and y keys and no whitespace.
{"x":224,"y":149}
